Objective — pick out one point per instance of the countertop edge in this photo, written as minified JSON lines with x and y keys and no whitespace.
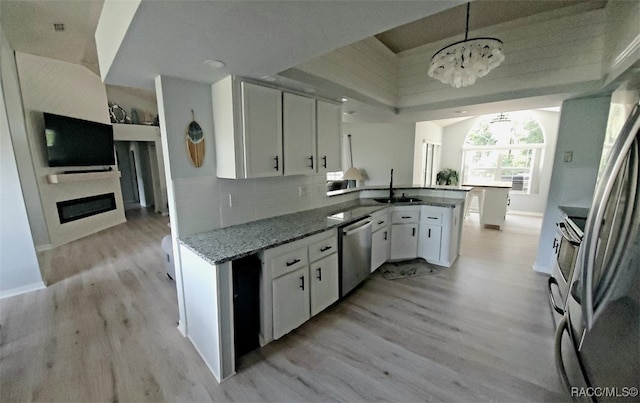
{"x":367,"y":203}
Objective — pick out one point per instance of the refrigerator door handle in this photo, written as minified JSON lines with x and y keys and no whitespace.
{"x":563,"y":327}
{"x":587,"y":255}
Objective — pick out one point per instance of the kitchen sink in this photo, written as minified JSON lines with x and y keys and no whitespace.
{"x":397,"y":200}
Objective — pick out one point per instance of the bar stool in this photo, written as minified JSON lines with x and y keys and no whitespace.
{"x":478,"y":193}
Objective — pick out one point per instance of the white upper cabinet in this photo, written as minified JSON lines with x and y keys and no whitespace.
{"x":262,"y":131}
{"x":299,"y":133}
{"x":247,"y":122}
{"x":329,"y":119}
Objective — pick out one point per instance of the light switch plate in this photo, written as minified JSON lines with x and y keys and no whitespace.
{"x":568,"y":156}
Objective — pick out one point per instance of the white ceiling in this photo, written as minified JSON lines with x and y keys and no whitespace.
{"x":253,"y":38}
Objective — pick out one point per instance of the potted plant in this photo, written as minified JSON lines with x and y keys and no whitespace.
{"x":447,"y":176}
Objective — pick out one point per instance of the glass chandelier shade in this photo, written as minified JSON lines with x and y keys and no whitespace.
{"x":462,"y":63}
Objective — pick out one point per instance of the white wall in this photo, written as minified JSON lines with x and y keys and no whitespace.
{"x":377,"y":148}
{"x":453,"y":139}
{"x":583,"y":124}
{"x":430,"y":133}
{"x":622,"y":43}
{"x":71,"y":90}
{"x":19,"y":268}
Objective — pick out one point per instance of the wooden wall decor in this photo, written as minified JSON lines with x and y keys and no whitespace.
{"x":195,"y":142}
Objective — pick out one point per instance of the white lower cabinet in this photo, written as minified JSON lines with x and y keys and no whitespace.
{"x":290,"y":301}
{"x":440,"y":234}
{"x":404,"y":241}
{"x":432,"y":240}
{"x":405,"y":222}
{"x":380,"y":241}
{"x":298,"y":280}
{"x":324,"y":283}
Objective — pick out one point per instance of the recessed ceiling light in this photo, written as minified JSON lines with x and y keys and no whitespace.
{"x":344,"y":99}
{"x":309,"y":90}
{"x":351,"y":113}
{"x":270,"y":79}
{"x":460,"y":112}
{"x":216,"y":64}
{"x":58,"y":26}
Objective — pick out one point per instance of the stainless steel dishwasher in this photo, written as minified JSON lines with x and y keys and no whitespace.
{"x":355,"y":252}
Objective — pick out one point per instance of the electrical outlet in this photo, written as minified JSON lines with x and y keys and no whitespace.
{"x":230,"y":200}
{"x":568,"y":156}
{"x":302,"y":192}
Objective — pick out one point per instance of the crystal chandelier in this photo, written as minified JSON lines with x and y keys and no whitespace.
{"x":461,"y":63}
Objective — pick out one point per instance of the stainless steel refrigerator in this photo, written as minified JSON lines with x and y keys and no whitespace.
{"x":597,"y":346}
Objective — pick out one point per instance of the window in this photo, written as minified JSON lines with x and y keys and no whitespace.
{"x":505,"y":149}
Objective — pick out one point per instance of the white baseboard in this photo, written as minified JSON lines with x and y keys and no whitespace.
{"x":527,"y":213}
{"x":47,"y":246}
{"x":21,"y":290}
{"x":542,"y":269}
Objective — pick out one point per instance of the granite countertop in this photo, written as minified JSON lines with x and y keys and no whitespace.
{"x":493,"y":184}
{"x":456,"y":188}
{"x":226,"y":244}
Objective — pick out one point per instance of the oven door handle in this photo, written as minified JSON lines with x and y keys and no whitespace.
{"x":566,"y":235}
{"x":552,"y":281}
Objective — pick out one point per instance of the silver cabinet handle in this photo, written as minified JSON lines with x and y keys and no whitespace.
{"x":550,"y":282}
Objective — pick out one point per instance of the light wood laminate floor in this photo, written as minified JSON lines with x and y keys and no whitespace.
{"x":105,"y":330}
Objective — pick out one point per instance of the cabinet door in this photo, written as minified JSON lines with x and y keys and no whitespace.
{"x":432,"y":242}
{"x":404,"y":241}
{"x":262,"y":130}
{"x":328,"y":135}
{"x":324,"y":283}
{"x":299,"y":128}
{"x":290,"y":301}
{"x":379,"y":248}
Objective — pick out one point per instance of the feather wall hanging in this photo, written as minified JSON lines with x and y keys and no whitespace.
{"x":195,"y":142}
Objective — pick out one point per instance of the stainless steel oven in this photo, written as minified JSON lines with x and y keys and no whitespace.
{"x":567,"y":244}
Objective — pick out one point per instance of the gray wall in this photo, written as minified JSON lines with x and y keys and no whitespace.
{"x":583,"y":125}
{"x":19,"y":268}
{"x":379,"y":147}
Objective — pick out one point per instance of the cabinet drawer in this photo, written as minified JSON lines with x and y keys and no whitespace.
{"x":323,"y":248}
{"x":288,"y":262}
{"x":403,"y":217}
{"x":432,"y":217}
{"x":379,"y":222}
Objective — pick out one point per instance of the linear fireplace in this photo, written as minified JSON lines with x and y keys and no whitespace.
{"x":71,"y":210}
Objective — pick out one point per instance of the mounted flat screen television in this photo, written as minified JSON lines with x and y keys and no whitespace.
{"x":75,"y":142}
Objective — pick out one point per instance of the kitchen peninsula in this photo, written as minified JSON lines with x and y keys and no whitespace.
{"x":287,"y":251}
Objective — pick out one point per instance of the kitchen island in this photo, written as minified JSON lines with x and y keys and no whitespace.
{"x":286,"y":248}
{"x":493,"y":202}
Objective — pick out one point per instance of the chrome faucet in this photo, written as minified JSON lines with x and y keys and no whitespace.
{"x":391,"y":186}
